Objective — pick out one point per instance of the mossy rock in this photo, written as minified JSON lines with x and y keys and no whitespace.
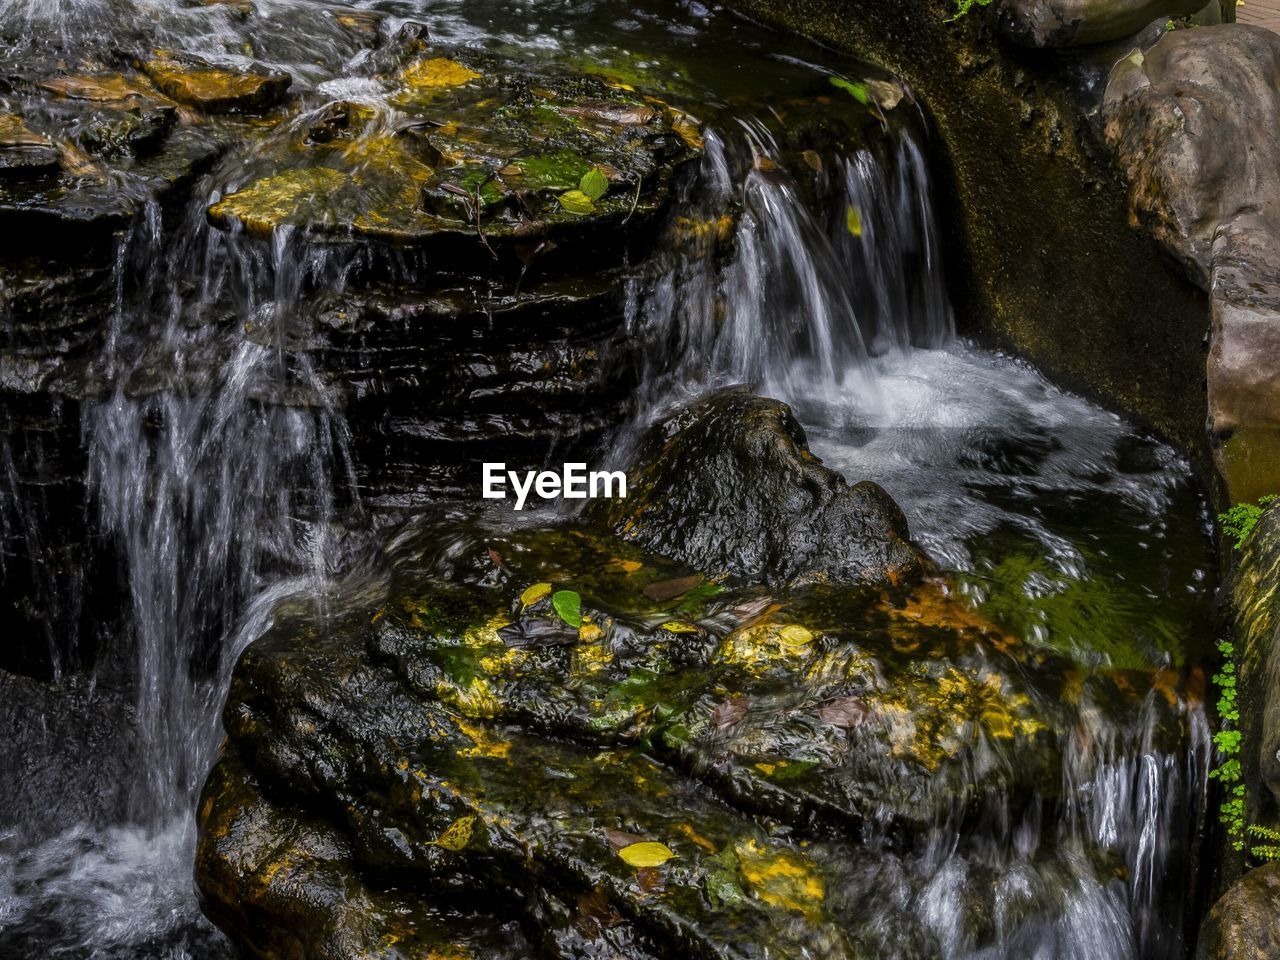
{"x":449,"y":728}
{"x":486,"y":161}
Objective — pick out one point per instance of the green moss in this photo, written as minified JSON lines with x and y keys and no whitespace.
{"x":560,"y":170}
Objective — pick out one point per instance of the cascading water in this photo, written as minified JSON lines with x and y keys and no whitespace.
{"x":836,"y":304}
{"x":220,"y":464}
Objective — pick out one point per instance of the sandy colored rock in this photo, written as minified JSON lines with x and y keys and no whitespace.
{"x":217,"y":90}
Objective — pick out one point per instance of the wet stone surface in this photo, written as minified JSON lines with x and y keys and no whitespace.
{"x":453,"y":730}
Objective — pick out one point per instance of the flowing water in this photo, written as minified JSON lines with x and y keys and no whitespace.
{"x":220,"y":469}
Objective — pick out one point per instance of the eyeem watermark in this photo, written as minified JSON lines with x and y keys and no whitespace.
{"x":573,"y":482}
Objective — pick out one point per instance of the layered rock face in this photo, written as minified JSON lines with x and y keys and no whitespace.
{"x":440,"y":275}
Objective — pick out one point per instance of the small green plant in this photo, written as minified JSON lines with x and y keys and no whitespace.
{"x":1227,"y":740}
{"x":964,"y":6}
{"x":1266,"y":852}
{"x":1239,"y":521}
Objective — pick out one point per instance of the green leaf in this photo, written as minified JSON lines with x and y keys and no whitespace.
{"x":856,"y":90}
{"x":568,"y":605}
{"x":575,"y":201}
{"x":593,"y":184}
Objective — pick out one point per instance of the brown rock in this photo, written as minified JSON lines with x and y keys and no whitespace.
{"x":23,"y":152}
{"x":217,"y":90}
{"x":1245,"y":923}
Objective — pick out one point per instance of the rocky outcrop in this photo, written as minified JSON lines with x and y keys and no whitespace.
{"x":729,"y":485}
{"x":1060,"y":23}
{"x":1245,"y":924}
{"x":1193,"y":123}
{"x":552,"y":726}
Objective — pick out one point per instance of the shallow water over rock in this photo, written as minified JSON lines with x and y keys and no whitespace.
{"x":281,"y":275}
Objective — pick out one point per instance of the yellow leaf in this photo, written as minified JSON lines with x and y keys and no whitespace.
{"x":437,"y":73}
{"x":649,"y":853}
{"x":794,"y":635}
{"x":457,"y":835}
{"x":534,"y":594}
{"x":853,"y":220}
{"x":589,"y":633}
{"x":676,"y":626}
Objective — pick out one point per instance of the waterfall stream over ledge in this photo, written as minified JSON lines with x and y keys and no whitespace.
{"x":257,"y":345}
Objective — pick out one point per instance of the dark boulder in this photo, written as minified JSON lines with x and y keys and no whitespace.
{"x":1245,"y":923}
{"x":729,"y":485}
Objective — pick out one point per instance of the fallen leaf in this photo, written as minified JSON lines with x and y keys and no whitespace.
{"x":593,"y":184}
{"x":575,"y":201}
{"x":590,"y":633}
{"x":665,"y":590}
{"x":794,"y":635}
{"x":853,"y":220}
{"x":847,"y":712}
{"x":813,"y":160}
{"x":568,"y":606}
{"x":457,"y":835}
{"x":533,"y":594}
{"x":620,"y":838}
{"x":678,"y":626}
{"x":726,"y":714}
{"x":647,"y":853}
{"x":856,"y":90}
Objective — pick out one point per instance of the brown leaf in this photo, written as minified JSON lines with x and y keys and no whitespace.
{"x":665,"y":590}
{"x":620,"y":838}
{"x":596,"y":914}
{"x":650,"y":879}
{"x":728,"y":713}
{"x":846,"y":712}
{"x":496,"y":558}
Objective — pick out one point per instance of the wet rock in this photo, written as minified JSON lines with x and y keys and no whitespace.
{"x":1059,"y":23}
{"x":484,"y":165}
{"x":754,"y":737}
{"x":1255,"y":595}
{"x":60,"y":734}
{"x":514,"y":372}
{"x":24,"y":153}
{"x":1191,"y":120}
{"x":217,"y":89}
{"x":1245,"y":923}
{"x":729,"y":485}
{"x":95,"y":88}
{"x":259,"y":860}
